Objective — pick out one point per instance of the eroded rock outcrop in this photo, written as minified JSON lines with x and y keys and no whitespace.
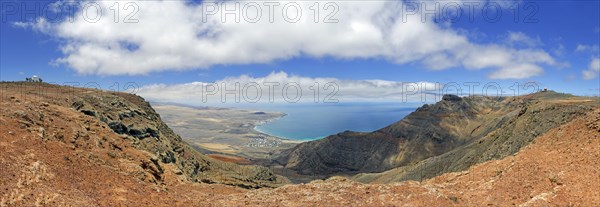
{"x":132,"y":118}
{"x":54,"y":155}
{"x":450,"y":135}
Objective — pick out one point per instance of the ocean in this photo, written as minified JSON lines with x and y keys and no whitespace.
{"x":310,"y":122}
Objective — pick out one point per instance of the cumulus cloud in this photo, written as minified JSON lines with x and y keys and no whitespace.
{"x":40,"y":25}
{"x":587,"y":48}
{"x":593,"y":70}
{"x":281,"y":87}
{"x":182,"y":35}
{"x":521,"y":71}
{"x":522,"y":39}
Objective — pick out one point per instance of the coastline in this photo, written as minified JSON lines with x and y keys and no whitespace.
{"x":228,"y":131}
{"x":306,"y":124}
{"x":255,"y":128}
{"x":260,"y":123}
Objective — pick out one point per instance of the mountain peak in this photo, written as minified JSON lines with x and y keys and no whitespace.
{"x":451,"y":97}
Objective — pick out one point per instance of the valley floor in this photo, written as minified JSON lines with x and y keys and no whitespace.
{"x":225,"y":133}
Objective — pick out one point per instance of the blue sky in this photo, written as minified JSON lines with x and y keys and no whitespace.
{"x":566,"y":31}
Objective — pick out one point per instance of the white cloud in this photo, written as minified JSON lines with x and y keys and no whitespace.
{"x":517,"y":72}
{"x":41,"y":25}
{"x":171,"y":35}
{"x":587,"y":48}
{"x":593,"y":70}
{"x":522,"y":39}
{"x":340,"y":90}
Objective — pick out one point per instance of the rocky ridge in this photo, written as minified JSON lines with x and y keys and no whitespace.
{"x":57,"y":150}
{"x":450,"y":135}
{"x":129,"y":119}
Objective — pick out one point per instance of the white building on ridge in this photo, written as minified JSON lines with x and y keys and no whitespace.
{"x":34,"y":79}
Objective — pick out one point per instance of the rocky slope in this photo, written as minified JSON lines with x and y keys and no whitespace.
{"x":69,"y":148}
{"x":455,"y":133}
{"x":115,"y":130}
{"x":559,"y":169}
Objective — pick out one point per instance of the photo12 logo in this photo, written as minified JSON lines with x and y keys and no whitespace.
{"x":69,"y":11}
{"x":425,"y":92}
{"x":210,"y":11}
{"x":253,"y":92}
{"x":271,"y":11}
{"x":455,"y":11}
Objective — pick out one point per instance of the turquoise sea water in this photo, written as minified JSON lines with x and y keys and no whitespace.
{"x":310,"y":122}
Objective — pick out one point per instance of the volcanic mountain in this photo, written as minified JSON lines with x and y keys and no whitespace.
{"x":66,"y":146}
{"x":91,"y":135}
{"x":448,"y":136}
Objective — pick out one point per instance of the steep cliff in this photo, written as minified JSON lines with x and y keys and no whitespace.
{"x":65,"y":146}
{"x":126,"y":121}
{"x":465,"y":130}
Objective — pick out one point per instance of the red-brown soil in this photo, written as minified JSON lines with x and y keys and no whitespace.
{"x":230,"y":158}
{"x":52,"y":155}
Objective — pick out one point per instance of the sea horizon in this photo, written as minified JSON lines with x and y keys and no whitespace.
{"x":313,"y":122}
